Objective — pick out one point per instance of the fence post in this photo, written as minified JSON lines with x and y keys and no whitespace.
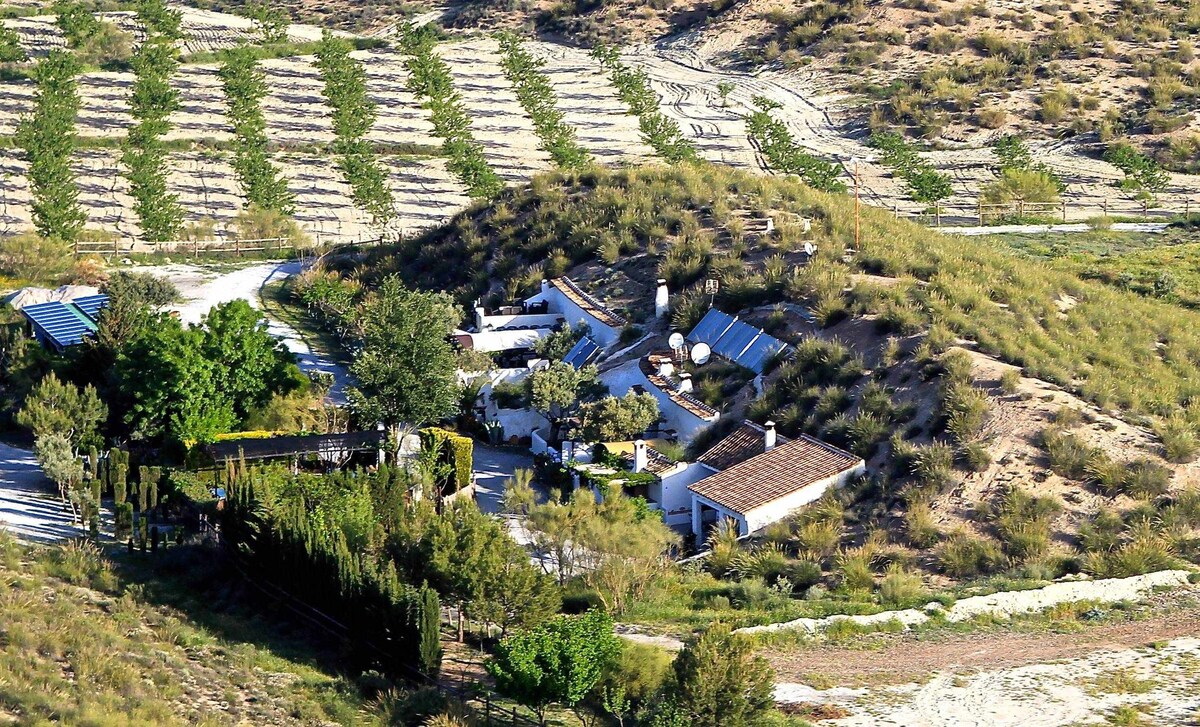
{"x":1145,"y":208}
{"x":937,"y":213}
{"x":1106,"y":206}
{"x":237,"y":247}
{"x":1187,"y":207}
{"x":979,"y":206}
{"x":1064,"y":210}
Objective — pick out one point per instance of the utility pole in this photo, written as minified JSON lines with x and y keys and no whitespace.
{"x":856,"y":205}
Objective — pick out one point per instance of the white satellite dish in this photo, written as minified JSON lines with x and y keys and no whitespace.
{"x":675,"y":341}
{"x":701,"y":353}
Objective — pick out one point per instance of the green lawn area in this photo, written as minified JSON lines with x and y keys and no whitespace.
{"x":1164,"y":266}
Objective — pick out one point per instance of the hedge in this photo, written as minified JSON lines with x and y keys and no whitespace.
{"x":454,"y":451}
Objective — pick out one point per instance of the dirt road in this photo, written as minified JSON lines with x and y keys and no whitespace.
{"x":903,"y":658}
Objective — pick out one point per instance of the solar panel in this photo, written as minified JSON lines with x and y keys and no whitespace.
{"x":711,"y":327}
{"x":582,"y":353}
{"x":60,"y":323}
{"x":760,"y":353}
{"x":91,"y":305}
{"x":736,"y":340}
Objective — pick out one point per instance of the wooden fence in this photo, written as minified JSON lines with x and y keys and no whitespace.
{"x":235,"y":247}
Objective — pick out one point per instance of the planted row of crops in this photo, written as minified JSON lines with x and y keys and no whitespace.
{"x":925,"y":184}
{"x":782,"y":152}
{"x":430,"y":80}
{"x":10,"y":46}
{"x":353,"y":116}
{"x":151,"y":103}
{"x":245,"y":87}
{"x":47,"y":137}
{"x":633,"y":87}
{"x":538,"y":99}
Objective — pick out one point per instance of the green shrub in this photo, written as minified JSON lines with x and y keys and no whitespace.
{"x":919,"y":526}
{"x":934,"y":466}
{"x":1145,"y":479}
{"x":1010,"y":381}
{"x":34,"y":258}
{"x":965,"y":556}
{"x":975,"y":456}
{"x":900,"y":586}
{"x":784,"y":154}
{"x":1178,"y":438}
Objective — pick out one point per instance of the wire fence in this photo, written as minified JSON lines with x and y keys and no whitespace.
{"x":983,"y":214}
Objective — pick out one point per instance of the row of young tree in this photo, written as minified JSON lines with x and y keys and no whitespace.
{"x":47,"y":138}
{"x":782,"y":152}
{"x":925,"y":184}
{"x":430,"y":80}
{"x":11,"y":50}
{"x":151,"y":103}
{"x":353,"y":111}
{"x":245,"y":86}
{"x":538,"y":99}
{"x":633,"y":86}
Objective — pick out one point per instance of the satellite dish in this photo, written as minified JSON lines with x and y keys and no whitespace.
{"x":675,"y":341}
{"x":701,"y":353}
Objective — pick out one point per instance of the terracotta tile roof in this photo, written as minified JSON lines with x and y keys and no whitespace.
{"x":590,"y":305}
{"x":774,"y":474}
{"x":694,"y":406}
{"x":656,"y":462}
{"x":740,"y":445}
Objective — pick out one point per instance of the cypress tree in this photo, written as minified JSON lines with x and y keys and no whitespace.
{"x":429,"y":621}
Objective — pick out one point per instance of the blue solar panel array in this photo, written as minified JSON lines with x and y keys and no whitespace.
{"x":711,"y":328}
{"x":582,"y":353}
{"x":91,"y":305}
{"x":739,"y":342}
{"x":59,"y":324}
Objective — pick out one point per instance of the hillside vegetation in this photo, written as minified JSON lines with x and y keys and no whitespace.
{"x":1110,"y":346}
{"x":85,"y":644}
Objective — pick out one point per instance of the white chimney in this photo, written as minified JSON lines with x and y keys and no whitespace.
{"x":685,"y":383}
{"x":545,"y":285}
{"x":661,"y":299}
{"x":480,"y":312}
{"x":666,"y":368}
{"x":640,"y":456}
{"x":769,"y":438}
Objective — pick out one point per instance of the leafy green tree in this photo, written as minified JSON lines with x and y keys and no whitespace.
{"x":140,"y":289}
{"x":556,"y":392}
{"x":272,"y":21}
{"x":58,"y":460}
{"x":1141,"y":172}
{"x":58,"y":407}
{"x":559,"y":662}
{"x":784,"y":154}
{"x":720,"y":680}
{"x":253,"y":364}
{"x":10,"y":46}
{"x":152,"y":102}
{"x":171,"y":388}
{"x":612,"y":419}
{"x":405,"y":370}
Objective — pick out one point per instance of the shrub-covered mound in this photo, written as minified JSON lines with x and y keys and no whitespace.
{"x":693,"y":222}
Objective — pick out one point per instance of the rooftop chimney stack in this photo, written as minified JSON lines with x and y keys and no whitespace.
{"x":641,"y":457}
{"x":769,"y":436}
{"x":661,"y":299}
{"x":545,"y":285}
{"x":666,"y":368}
{"x":685,"y":383}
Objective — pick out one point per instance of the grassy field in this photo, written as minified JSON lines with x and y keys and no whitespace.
{"x":154,"y":639}
{"x":1165,"y":266}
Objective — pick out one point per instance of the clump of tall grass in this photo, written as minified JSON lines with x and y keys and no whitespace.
{"x":1023,"y":523}
{"x":1068,"y":455}
{"x":919,"y":526}
{"x":964,"y":556}
{"x":1179,"y":440}
{"x":900,"y":586}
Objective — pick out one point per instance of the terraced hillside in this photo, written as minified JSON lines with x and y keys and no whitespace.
{"x":709,"y":104}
